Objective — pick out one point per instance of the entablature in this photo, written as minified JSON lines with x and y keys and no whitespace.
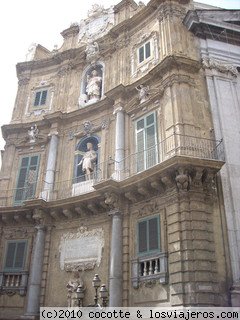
{"x":178,"y":174}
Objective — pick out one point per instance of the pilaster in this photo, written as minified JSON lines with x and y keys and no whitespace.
{"x":192,"y":260}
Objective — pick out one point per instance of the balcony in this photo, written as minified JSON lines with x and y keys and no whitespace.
{"x":175,"y":145}
{"x":149,"y":269}
{"x":13,"y":282}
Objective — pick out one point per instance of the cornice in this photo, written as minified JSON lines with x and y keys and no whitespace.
{"x":212,"y":24}
{"x":55,"y":59}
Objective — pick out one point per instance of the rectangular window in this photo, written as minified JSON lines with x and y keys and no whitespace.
{"x":144,"y":52}
{"x":148,"y":235}
{"x":40,"y":98}
{"x":27,"y":179}
{"x":146,"y":142}
{"x":15,"y":255}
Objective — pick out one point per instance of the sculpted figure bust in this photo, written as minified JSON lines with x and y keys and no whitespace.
{"x":143,"y":92}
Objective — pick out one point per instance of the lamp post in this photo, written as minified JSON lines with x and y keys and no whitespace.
{"x":103,"y":293}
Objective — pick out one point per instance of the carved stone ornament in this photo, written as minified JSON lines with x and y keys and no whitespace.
{"x":33,"y":134}
{"x":87,"y":127}
{"x":183,"y":180}
{"x":149,"y":208}
{"x":92,"y":50}
{"x":15,"y":233}
{"x":81,"y":250}
{"x":210,"y":63}
{"x":112,"y":200}
{"x":98,"y":23}
{"x":143,"y":92}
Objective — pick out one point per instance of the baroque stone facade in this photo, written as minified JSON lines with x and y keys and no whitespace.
{"x":115,"y":180}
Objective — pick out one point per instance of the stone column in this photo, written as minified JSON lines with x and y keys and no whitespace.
{"x":115,"y":278}
{"x":51,"y":165}
{"x":119,"y":142}
{"x":34,"y":287}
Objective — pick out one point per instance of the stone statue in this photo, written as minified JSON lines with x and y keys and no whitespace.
{"x":72,"y":286}
{"x":143,"y":92}
{"x":94,"y":86}
{"x":31,"y":52}
{"x":33,"y":134}
{"x":88,"y":161}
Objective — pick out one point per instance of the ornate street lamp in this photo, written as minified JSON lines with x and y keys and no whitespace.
{"x":103,"y":293}
{"x":80,"y":295}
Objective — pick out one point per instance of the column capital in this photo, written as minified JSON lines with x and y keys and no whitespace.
{"x":115,"y":212}
{"x":118,"y":108}
{"x":54,"y":133}
{"x":40,"y":227}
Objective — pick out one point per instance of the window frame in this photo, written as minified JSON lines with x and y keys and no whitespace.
{"x":40,"y":104}
{"x":143,"y":46}
{"x":152,"y":251}
{"x":145,"y":148}
{"x":15,"y":269}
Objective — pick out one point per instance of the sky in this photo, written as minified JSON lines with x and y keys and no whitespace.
{"x":25,"y":22}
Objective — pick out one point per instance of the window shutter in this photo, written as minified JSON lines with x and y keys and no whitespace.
{"x":22,"y":179}
{"x":140,"y":151}
{"x":15,"y":255}
{"x":20,"y":254}
{"x":141,"y":54}
{"x":153,"y":233}
{"x":142,"y":236}
{"x":9,"y":262}
{"x":44,"y":97}
{"x":146,"y":142}
{"x":147,"y":50}
{"x":37,"y":98}
{"x":27,"y":178}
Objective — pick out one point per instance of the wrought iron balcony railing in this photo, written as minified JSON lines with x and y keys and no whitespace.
{"x":174,"y":145}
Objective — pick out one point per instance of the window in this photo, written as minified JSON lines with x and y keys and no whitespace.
{"x":146,"y":142}
{"x":27,"y":179}
{"x":144,"y":52}
{"x":148,"y":235}
{"x":15,"y":255}
{"x":40,"y":98}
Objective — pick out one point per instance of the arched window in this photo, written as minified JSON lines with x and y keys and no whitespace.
{"x":92,"y":85}
{"x":81,"y":166}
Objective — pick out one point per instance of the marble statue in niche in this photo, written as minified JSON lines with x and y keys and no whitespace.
{"x":93,"y":87}
{"x":88,"y":161}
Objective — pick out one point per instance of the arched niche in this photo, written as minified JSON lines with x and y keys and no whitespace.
{"x":92,"y":86}
{"x":80,"y":151}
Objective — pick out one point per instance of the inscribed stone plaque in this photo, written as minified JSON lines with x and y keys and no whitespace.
{"x":81,"y":250}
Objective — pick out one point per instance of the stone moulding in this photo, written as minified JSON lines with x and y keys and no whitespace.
{"x":210,"y":63}
{"x":81,"y":250}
